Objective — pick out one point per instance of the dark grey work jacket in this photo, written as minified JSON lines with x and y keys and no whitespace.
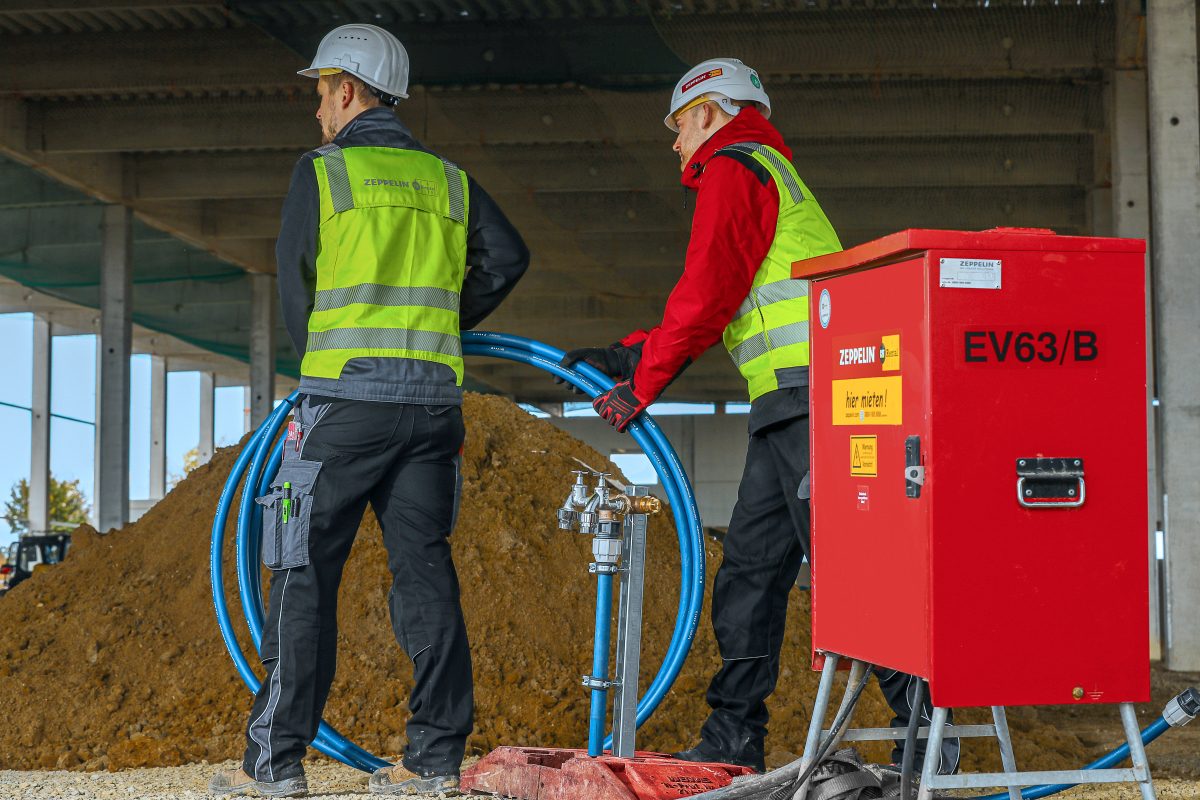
{"x":496,"y":259}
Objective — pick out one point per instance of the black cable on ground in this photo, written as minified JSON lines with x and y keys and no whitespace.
{"x":910,"y":743}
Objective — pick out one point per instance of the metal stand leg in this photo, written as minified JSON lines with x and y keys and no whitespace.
{"x":1006,"y":749}
{"x":629,"y":634}
{"x":933,"y":751}
{"x":820,"y":707}
{"x":1137,"y":751}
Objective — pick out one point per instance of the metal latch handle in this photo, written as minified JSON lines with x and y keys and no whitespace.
{"x":1050,"y":482}
{"x":1022,"y":494}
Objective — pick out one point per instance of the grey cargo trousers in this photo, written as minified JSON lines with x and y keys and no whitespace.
{"x":340,"y":455}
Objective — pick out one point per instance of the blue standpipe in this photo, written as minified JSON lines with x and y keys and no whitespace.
{"x":258,"y":464}
{"x":596,"y":722}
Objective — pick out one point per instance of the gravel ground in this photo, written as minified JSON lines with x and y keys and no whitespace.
{"x":328,"y":779}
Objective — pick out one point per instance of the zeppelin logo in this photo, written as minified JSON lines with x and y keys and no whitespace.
{"x":701,"y":78}
{"x":857,"y":355}
{"x":1030,"y":346}
{"x":864,"y":355}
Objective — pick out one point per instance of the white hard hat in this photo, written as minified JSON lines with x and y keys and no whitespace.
{"x":722,"y":80}
{"x":366,"y":52}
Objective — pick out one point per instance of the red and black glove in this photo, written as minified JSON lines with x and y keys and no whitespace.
{"x":615,"y":361}
{"x":619,"y":405}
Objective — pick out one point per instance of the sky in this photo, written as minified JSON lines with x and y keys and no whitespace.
{"x":73,"y":394}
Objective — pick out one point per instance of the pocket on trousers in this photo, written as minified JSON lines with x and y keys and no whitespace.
{"x":271,"y":528}
{"x":287,"y":514}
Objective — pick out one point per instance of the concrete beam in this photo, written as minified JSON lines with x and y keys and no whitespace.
{"x":970,"y":41}
{"x":112,"y":421}
{"x":264,"y":296}
{"x":208,"y":398}
{"x":643,"y":166}
{"x":464,"y":118}
{"x":70,"y":319}
{"x":999,"y":42}
{"x":1174,"y":104}
{"x":158,"y":428}
{"x":164,"y":63}
{"x":654,"y":218}
{"x":39,"y":462}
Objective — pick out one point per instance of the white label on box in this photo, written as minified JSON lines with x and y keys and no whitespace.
{"x":971,"y":273}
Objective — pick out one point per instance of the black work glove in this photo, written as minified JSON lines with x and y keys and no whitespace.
{"x":615,"y":361}
{"x":619,"y":405}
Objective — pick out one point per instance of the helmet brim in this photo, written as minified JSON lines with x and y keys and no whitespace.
{"x":315,"y":72}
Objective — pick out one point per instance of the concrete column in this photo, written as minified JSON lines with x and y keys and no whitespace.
{"x":1131,"y":220}
{"x":39,"y":461}
{"x":116,"y":335}
{"x":1174,"y":113}
{"x":208,"y":397}
{"x":96,"y":465}
{"x":263,"y":298}
{"x":158,"y":427}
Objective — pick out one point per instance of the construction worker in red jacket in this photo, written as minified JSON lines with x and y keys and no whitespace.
{"x":754,"y":217}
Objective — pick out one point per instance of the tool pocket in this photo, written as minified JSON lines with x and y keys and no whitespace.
{"x":287,"y":511}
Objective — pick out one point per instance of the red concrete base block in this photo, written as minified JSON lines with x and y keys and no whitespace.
{"x":532,"y":773}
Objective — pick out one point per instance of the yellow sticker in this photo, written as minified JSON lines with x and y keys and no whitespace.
{"x":891,"y":353}
{"x":868,"y":401}
{"x":862,"y":456}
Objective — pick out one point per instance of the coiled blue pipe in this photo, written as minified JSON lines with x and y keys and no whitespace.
{"x":1149,"y":734}
{"x":259,"y":462}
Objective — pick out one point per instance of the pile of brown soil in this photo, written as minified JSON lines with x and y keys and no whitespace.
{"x":113,"y":658}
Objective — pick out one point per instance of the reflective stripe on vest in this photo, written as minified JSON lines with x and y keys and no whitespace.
{"x":757,"y":345}
{"x":375,"y":294}
{"x":771,"y":293}
{"x":385,"y":339}
{"x":769,"y":332}
{"x":391,"y":259}
{"x":774,"y":160}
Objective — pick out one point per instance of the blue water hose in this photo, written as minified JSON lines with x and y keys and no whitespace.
{"x":599,"y":712}
{"x":259,"y":462}
{"x":1149,"y":734}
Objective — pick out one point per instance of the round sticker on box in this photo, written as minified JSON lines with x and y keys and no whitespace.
{"x":824,"y":308}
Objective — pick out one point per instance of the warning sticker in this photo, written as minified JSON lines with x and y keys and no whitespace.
{"x":862,"y":456}
{"x":868,"y":401}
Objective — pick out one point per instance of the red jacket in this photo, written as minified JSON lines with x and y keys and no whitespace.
{"x":732,"y":230}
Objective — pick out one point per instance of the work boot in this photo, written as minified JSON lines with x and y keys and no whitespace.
{"x":752,"y":756}
{"x":236,"y":781}
{"x":398,"y":780}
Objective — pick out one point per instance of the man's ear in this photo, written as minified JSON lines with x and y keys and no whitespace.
{"x":347,"y":94}
{"x":710,"y":116}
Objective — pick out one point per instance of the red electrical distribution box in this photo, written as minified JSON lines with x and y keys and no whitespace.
{"x":978,"y":413}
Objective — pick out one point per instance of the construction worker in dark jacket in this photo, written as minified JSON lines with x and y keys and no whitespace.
{"x":386,"y":252}
{"x":754,"y":217}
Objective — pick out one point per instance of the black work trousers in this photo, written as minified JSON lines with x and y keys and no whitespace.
{"x":768,"y":538}
{"x":340,"y":455}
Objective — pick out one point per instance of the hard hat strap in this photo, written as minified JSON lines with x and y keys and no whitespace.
{"x":726,"y":105}
{"x":384,"y":97}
